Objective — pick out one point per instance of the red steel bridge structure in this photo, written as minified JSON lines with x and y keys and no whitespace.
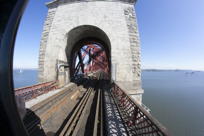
{"x":90,"y":58}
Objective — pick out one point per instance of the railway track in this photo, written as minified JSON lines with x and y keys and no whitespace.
{"x":87,"y":116}
{"x":96,"y":109}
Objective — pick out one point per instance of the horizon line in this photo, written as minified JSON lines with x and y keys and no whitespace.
{"x":143,"y":69}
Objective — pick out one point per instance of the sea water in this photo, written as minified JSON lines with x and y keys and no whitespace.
{"x":176,"y":99}
{"x":25,"y":77}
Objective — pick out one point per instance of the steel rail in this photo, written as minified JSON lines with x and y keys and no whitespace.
{"x":77,"y":131}
{"x":96,"y":122}
{"x":101,"y":114}
{"x":74,"y":129}
{"x":69,"y":125}
{"x":75,"y":122}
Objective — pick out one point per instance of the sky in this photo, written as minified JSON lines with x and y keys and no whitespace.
{"x":171,"y":34}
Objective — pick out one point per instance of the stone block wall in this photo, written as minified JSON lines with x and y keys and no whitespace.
{"x":116,"y":19}
{"x":44,"y":39}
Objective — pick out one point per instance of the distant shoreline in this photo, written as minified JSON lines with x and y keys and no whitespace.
{"x":151,"y":70}
{"x":176,"y":70}
{"x":25,"y":68}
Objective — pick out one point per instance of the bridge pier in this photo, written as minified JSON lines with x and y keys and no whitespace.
{"x":115,"y":28}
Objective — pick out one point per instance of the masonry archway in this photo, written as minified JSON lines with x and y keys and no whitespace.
{"x":62,"y":32}
{"x":88,"y":49}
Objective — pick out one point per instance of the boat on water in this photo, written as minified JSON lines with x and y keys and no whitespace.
{"x":20,"y":71}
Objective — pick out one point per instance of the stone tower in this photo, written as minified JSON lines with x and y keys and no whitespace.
{"x":111,"y":21}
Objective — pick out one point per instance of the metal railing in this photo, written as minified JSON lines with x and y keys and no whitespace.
{"x":137,"y":120}
{"x":33,"y":91}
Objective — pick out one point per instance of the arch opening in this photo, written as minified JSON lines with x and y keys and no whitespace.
{"x":89,"y":57}
{"x":88,"y":51}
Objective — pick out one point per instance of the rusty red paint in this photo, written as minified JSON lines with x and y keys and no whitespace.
{"x":98,"y":60}
{"x":137,"y":120}
{"x":31,"y":92}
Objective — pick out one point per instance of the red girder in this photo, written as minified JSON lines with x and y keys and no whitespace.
{"x":97,"y":59}
{"x":33,"y":91}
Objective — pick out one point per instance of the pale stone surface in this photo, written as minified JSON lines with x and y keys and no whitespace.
{"x":113,"y":22}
